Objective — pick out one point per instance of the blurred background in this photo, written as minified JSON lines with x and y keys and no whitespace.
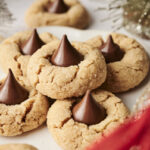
{"x":108,"y":15}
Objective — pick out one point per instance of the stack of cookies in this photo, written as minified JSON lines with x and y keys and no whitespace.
{"x":77,"y":76}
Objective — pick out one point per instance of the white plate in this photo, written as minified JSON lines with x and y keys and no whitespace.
{"x":40,"y":137}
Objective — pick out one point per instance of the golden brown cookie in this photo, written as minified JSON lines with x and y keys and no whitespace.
{"x":130,"y":71}
{"x":20,"y":118}
{"x":62,"y":82}
{"x":11,"y":56}
{"x":72,"y":135}
{"x":17,"y":147}
{"x":75,"y":16}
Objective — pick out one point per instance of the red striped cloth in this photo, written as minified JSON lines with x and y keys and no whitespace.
{"x":132,"y":135}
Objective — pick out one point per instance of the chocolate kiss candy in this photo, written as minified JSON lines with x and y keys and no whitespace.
{"x":111,"y":51}
{"x":32,"y":44}
{"x":11,"y":92}
{"x":66,"y":55}
{"x":58,"y":6}
{"x":88,"y":111}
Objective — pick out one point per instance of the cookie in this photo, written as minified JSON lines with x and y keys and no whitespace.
{"x":20,"y":110}
{"x":17,"y":147}
{"x":74,"y":135}
{"x":29,"y":115}
{"x":65,"y":13}
{"x":13,"y":57}
{"x":130,"y":69}
{"x":60,"y":82}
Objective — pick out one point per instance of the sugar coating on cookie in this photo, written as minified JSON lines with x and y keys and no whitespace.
{"x":62,"y":82}
{"x":11,"y":56}
{"x":76,"y":16}
{"x":17,"y":147}
{"x":130,"y":70}
{"x":20,"y":118}
{"x":72,"y":135}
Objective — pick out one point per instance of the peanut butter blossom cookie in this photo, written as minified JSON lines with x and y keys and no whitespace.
{"x":20,"y":110}
{"x":57,"y":12}
{"x":63,"y":69}
{"x":18,"y":49}
{"x":127,"y":63}
{"x":75,"y":125}
{"x":17,"y":147}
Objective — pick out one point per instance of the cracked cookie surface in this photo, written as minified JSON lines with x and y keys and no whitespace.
{"x":131,"y":70}
{"x":63,"y":82}
{"x":76,"y":16}
{"x":30,"y":114}
{"x":11,"y":56}
{"x":95,"y":42}
{"x":72,"y":135}
{"x":17,"y":147}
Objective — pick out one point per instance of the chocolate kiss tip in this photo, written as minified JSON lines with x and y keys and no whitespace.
{"x":32,"y":44}
{"x":110,"y":41}
{"x":111,"y":51}
{"x":66,"y":55}
{"x":88,"y":111}
{"x":11,"y":92}
{"x":58,"y":6}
